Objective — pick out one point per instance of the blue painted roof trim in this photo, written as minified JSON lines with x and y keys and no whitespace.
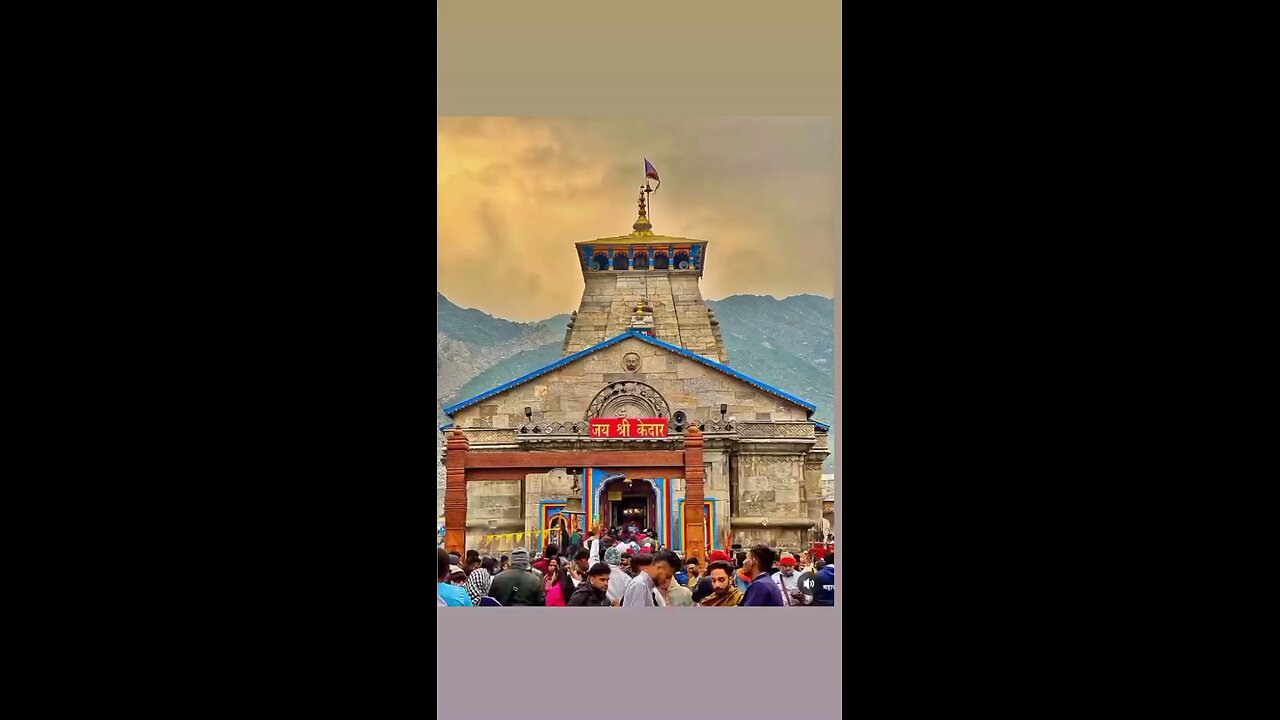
{"x":615,"y":340}
{"x":821,"y":426}
{"x":445,"y":426}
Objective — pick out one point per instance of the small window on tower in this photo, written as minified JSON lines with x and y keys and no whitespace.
{"x":620,"y":261}
{"x":601,"y":262}
{"x":660,"y":261}
{"x":642,"y":261}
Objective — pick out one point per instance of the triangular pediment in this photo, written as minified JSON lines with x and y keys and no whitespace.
{"x":564,"y":390}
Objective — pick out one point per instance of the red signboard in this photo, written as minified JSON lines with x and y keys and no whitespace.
{"x":628,"y":427}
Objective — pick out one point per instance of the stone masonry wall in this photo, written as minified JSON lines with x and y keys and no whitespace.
{"x":691,"y":314}
{"x":593,"y":313}
{"x":769,"y":485}
{"x":564,"y":394}
{"x":679,"y":312}
{"x":492,"y":499}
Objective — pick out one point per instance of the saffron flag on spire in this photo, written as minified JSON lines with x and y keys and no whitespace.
{"x":651,"y":172}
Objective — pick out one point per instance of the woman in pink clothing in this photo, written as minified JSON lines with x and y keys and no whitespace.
{"x":557,"y":584}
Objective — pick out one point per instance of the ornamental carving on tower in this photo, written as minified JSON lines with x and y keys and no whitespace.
{"x":628,"y":399}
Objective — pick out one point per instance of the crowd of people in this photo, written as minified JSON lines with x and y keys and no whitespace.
{"x":630,"y":569}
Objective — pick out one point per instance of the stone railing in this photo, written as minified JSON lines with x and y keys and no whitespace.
{"x":489,"y":436}
{"x":576,"y":428}
{"x":775,"y":429}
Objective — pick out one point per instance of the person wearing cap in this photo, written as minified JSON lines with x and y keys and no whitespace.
{"x":517,"y":585}
{"x":454,"y":595}
{"x":788,"y":581}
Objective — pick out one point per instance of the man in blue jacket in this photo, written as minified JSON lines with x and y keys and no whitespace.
{"x":825,"y":593}
{"x":762,"y":591}
{"x":448,"y":592}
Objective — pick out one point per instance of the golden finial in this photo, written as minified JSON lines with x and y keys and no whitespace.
{"x":642,"y":225}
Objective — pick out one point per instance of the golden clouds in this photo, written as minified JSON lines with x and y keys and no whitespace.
{"x":515,"y":194}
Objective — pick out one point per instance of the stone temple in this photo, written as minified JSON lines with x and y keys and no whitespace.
{"x":733,"y":455}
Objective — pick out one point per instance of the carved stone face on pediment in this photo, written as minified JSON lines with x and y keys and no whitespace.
{"x":628,"y":399}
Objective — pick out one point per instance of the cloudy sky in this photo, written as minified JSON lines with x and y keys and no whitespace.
{"x":515,"y":194}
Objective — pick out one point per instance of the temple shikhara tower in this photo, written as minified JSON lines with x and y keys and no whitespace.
{"x":648,"y":282}
{"x":642,"y":421}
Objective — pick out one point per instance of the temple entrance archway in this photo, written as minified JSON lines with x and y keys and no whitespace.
{"x":629,"y":501}
{"x":560,"y":531}
{"x":462,"y":466}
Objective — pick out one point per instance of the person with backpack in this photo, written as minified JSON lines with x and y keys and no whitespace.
{"x":517,"y":585}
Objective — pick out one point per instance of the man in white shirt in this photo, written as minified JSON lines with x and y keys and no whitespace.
{"x":655,"y":572}
{"x":597,"y":551}
{"x":788,"y":581}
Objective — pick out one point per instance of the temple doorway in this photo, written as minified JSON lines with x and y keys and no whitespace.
{"x":629,"y":501}
{"x":560,"y":531}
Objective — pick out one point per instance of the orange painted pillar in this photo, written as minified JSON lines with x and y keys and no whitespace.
{"x":455,"y":492}
{"x":694,"y":497}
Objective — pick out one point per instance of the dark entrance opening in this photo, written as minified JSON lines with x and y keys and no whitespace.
{"x":630,"y":502}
